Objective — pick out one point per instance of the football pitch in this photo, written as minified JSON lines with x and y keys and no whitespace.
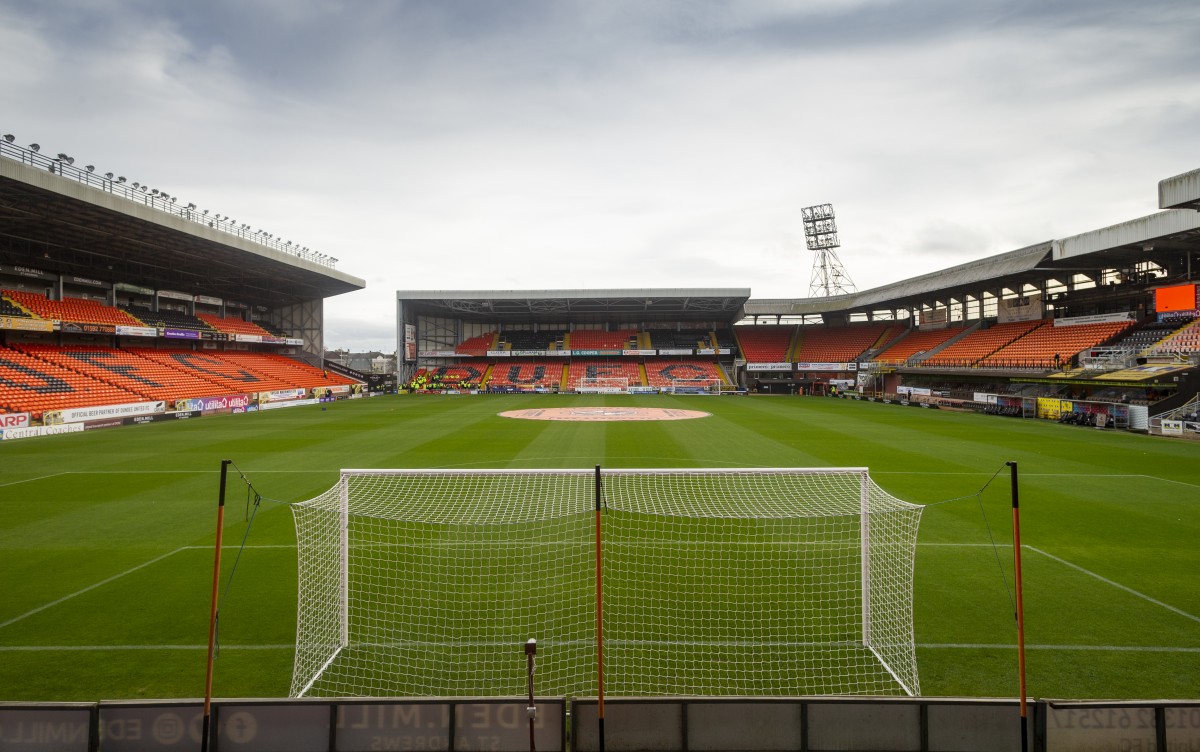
{"x":106,"y":537}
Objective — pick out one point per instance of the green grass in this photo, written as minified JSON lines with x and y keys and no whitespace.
{"x":106,"y":537}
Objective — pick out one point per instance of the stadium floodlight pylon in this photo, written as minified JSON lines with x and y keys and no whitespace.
{"x":764,"y":582}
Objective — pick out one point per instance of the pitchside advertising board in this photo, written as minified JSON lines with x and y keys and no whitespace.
{"x":478,"y":724}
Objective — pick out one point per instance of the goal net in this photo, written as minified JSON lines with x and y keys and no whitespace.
{"x":602,"y":385}
{"x":714,"y":582}
{"x":695,"y":386}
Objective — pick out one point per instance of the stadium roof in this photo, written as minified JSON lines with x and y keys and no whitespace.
{"x":559,"y":306}
{"x":63,"y":226}
{"x":1180,"y":192}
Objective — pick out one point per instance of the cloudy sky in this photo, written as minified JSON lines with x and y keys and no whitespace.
{"x":623,"y":143}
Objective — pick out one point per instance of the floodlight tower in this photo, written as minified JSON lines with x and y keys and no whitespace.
{"x":829,"y":277}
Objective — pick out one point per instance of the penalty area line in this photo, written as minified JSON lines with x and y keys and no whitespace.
{"x":1115,"y":584}
{"x":34,"y":480}
{"x":89,"y":588}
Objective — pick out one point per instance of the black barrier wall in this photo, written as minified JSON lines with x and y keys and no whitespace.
{"x":700,"y":724}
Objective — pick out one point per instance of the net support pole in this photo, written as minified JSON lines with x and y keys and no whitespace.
{"x":212,"y":614}
{"x":599,"y":618}
{"x":1020,"y":605}
{"x":530,"y":651}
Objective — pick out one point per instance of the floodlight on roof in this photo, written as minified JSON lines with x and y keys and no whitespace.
{"x":108,"y":175}
{"x":154,"y":191}
{"x":191,"y":206}
{"x":90,"y":168}
{"x":35,"y":147}
{"x":121,"y":179}
{"x":9,"y":137}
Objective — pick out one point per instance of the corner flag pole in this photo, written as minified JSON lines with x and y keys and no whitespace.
{"x":599,"y":621}
{"x":1016,"y":511}
{"x":212,"y":617}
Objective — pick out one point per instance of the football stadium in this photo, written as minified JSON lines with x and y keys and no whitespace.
{"x":955,"y":512}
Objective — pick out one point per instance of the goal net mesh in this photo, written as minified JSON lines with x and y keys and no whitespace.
{"x":714,"y":582}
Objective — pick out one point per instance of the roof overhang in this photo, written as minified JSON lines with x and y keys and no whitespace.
{"x":66,"y":227}
{"x":561,"y":306}
{"x":1180,"y":192}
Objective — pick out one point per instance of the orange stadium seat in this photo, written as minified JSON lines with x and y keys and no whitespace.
{"x":595,"y":339}
{"x":764,"y":344}
{"x":981,"y":343}
{"x":478,"y":345}
{"x":590,"y":368}
{"x":232,"y":325}
{"x":664,"y":372}
{"x":529,"y":374}
{"x":840,"y":344}
{"x":917,"y":342}
{"x":1051,"y":346}
{"x":75,"y":310}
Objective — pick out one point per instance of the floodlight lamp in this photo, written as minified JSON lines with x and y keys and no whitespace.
{"x":90,"y":168}
{"x":9,"y":137}
{"x":137,"y":185}
{"x":35,"y":147}
{"x":121,"y":179}
{"x":108,"y":175}
{"x":205,"y":212}
{"x":191,"y":206}
{"x":154,"y":191}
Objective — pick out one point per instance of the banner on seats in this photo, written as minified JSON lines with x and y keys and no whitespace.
{"x":81,"y":414}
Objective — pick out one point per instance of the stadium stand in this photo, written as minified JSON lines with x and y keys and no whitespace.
{"x":1142,"y":339}
{"x":271,"y":329}
{"x":10,"y":308}
{"x":980,"y":343}
{"x":536,"y":374}
{"x":1186,"y":339}
{"x":765,"y":344}
{"x":916,"y":343}
{"x":522,"y":339}
{"x":231,"y":324}
{"x":682,"y":338}
{"x":596,"y":339}
{"x":1052,"y":346}
{"x":31,"y":384}
{"x":580,"y":368}
{"x":75,"y":310}
{"x":166,"y":318}
{"x":664,"y":372}
{"x":840,"y":345}
{"x":478,"y":345}
{"x":725,"y":339}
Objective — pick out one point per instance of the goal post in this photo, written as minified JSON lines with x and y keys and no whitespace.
{"x":602,"y":385}
{"x":765,"y":582}
{"x":695,"y":386}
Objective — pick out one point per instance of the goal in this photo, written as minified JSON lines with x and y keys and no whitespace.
{"x":602,"y":385}
{"x":714,"y":582}
{"x":695,"y":386}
